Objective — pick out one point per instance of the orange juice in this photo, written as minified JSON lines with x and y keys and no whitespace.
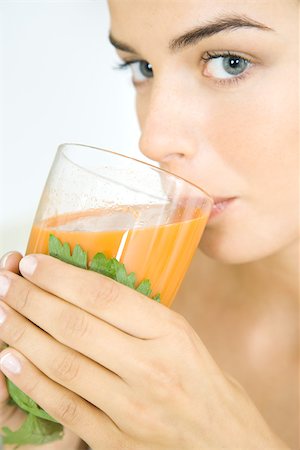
{"x":133,"y":235}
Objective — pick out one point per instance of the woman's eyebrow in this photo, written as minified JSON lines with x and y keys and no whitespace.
{"x":223,"y":23}
{"x":192,"y":37}
{"x":120,"y":45}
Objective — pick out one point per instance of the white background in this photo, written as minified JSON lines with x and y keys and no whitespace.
{"x":57,"y":84}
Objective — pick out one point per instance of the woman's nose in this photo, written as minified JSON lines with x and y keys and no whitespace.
{"x":168,"y":126}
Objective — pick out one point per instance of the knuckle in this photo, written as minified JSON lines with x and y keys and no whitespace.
{"x":181,"y":331}
{"x":179,"y":323}
{"x":65,"y":368}
{"x":146,"y":421}
{"x":164,"y":380}
{"x":23,"y":299}
{"x":68,"y":411}
{"x":74,"y":323}
{"x":17,"y":334}
{"x":140,"y":417}
{"x":106,"y":295}
{"x":30,"y":386}
{"x":119,"y":441}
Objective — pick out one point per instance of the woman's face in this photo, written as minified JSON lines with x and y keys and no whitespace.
{"x":219,"y":107}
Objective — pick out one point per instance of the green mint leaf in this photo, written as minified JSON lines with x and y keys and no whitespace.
{"x":145,"y":288}
{"x":122,"y":276}
{"x":59,"y":250}
{"x":103,"y":265}
{"x":26,"y":403}
{"x":157,"y":298}
{"x":111,"y":268}
{"x":131,"y":280}
{"x":63,"y":252}
{"x":79,"y":257}
{"x":55,"y":246}
{"x":35,"y":431}
{"x":66,"y":253}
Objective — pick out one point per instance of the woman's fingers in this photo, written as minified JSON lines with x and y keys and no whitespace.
{"x":10,"y":261}
{"x":101,"y":296}
{"x":66,"y":366}
{"x":10,"y":415}
{"x":73,"y":327}
{"x":72,"y":411}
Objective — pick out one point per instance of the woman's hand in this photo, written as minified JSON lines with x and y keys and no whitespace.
{"x":120,"y":370}
{"x":11,"y":416}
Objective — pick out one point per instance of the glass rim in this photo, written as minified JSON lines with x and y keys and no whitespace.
{"x":159,"y":169}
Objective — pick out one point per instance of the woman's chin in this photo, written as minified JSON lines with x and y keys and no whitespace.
{"x":244,"y":244}
{"x":225,"y":248}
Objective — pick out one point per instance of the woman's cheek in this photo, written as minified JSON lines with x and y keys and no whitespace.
{"x":252,"y":130}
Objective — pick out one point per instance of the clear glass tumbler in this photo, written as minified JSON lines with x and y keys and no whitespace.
{"x":147,"y":218}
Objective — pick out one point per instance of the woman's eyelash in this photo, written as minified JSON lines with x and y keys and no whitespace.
{"x":214,"y":55}
{"x":125,"y":64}
{"x":226,"y":82}
{"x":208,"y":56}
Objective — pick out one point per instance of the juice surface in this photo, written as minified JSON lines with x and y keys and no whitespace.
{"x":160,"y":253}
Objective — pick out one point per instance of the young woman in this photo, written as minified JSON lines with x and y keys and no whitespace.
{"x":216,"y":88}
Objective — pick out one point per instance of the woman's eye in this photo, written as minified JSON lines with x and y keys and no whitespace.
{"x":141,"y":70}
{"x":223,"y":67}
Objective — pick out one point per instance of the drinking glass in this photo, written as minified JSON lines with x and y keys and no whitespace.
{"x":146,"y":218}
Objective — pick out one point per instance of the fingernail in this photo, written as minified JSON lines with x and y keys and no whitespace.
{"x":28,"y":265}
{"x":4,"y":285}
{"x":2,"y":315}
{"x":4,"y":259}
{"x":10,"y":363}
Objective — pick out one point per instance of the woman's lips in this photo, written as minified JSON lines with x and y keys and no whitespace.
{"x":220,"y":205}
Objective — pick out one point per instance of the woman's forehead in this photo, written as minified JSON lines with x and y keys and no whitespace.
{"x":142,"y":18}
{"x":145,"y":24}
